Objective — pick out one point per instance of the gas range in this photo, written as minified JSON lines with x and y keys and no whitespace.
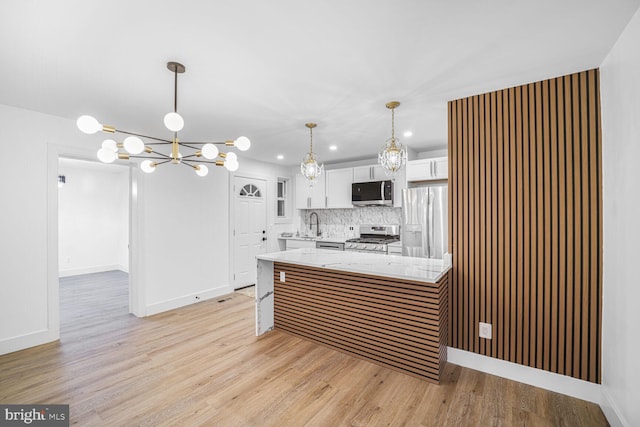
{"x":374,"y":238}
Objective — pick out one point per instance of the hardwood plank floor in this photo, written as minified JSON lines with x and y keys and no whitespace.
{"x":202,"y":365}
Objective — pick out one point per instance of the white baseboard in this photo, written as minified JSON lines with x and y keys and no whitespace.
{"x":611,"y":411}
{"x":89,"y":270}
{"x":174,"y":303}
{"x":9,"y":345}
{"x":536,"y":377}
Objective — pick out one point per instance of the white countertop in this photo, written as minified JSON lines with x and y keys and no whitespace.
{"x":400,"y":267}
{"x":316,"y":239}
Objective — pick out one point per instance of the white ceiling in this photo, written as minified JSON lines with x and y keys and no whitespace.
{"x":264,"y":68}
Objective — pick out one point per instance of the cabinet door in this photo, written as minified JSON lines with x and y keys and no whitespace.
{"x":297,"y":244}
{"x":317,"y":193}
{"x":419,"y":170}
{"x":378,"y":173}
{"x":362,"y":174}
{"x":302,"y":192}
{"x":309,"y":197}
{"x":338,"y":188}
{"x":441,"y":168}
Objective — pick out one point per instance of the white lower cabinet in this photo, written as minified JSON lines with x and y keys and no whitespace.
{"x":297,"y":244}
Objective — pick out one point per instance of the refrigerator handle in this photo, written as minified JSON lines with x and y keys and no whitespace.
{"x":432,"y":239}
{"x":382,"y":190}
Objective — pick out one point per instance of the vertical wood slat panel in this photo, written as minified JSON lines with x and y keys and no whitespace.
{"x":526,"y":224}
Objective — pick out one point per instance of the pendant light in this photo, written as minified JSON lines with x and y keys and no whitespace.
{"x":134,"y":147}
{"x":310,"y":167}
{"x":393,"y":155}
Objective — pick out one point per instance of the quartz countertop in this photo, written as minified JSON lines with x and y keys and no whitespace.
{"x":316,"y":238}
{"x":400,"y":267}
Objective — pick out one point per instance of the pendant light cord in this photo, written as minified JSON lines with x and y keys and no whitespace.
{"x":175,"y":90}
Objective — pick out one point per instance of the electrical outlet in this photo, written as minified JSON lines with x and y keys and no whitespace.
{"x":282,"y":276}
{"x":485,"y":330}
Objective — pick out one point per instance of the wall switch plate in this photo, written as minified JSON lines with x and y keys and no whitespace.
{"x":282,"y":276}
{"x":485,"y":330}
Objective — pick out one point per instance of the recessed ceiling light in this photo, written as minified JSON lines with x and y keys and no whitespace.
{"x":407,"y":133}
{"x":280,"y":157}
{"x":333,"y":148}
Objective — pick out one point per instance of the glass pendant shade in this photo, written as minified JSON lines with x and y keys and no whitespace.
{"x":393,"y":155}
{"x":231,"y":165}
{"x":202,"y":170}
{"x":310,"y":168}
{"x":133,"y":145}
{"x":147,"y":166}
{"x":110,"y":144}
{"x":210,"y":151}
{"x":173,"y":121}
{"x":106,"y":155}
{"x":242,"y":143}
{"x":88,"y":124}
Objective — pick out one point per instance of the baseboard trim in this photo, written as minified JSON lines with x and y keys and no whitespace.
{"x":89,"y":270}
{"x":184,"y":300}
{"x":10,"y":345}
{"x":536,"y":377}
{"x":611,"y":410}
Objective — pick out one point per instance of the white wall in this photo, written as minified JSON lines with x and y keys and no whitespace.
{"x":93,"y":218}
{"x":620,"y":96}
{"x":179,"y":229}
{"x":185,"y":228}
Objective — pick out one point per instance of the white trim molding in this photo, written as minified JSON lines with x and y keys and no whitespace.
{"x":536,"y":377}
{"x":184,"y":300}
{"x":611,"y":410}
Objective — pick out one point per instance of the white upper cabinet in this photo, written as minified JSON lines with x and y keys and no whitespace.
{"x":428,"y":169}
{"x":310,"y":197}
{"x":338,"y":188}
{"x":369,"y":173}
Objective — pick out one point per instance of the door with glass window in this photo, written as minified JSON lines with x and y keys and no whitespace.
{"x":250,"y":228}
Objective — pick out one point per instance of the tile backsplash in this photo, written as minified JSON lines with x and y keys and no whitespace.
{"x":337,"y":222}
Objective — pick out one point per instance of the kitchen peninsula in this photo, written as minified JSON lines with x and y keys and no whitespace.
{"x":390,"y":310}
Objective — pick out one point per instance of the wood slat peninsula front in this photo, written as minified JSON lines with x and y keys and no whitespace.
{"x":398,"y":323}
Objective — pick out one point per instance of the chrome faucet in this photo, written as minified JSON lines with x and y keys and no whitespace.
{"x":317,"y":223}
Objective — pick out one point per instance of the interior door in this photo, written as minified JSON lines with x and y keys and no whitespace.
{"x":250,"y":228}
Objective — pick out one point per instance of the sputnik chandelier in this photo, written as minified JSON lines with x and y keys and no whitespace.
{"x":133,"y":147}
{"x":309,"y":167}
{"x":393,"y":155}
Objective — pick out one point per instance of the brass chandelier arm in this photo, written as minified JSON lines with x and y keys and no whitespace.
{"x":167,"y":158}
{"x":143,"y":136}
{"x":202,"y":143}
{"x":216,"y":162}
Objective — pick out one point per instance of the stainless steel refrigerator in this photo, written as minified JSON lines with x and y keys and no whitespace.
{"x":425,"y":221}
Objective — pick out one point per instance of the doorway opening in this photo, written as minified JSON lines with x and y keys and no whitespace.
{"x":93,"y":246}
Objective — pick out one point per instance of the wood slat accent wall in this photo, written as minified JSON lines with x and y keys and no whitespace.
{"x":525,"y":224}
{"x":394,"y":323}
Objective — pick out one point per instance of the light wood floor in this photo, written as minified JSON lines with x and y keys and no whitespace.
{"x":202,"y":365}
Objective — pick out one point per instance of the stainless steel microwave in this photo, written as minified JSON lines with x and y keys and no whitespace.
{"x":375,"y":193}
